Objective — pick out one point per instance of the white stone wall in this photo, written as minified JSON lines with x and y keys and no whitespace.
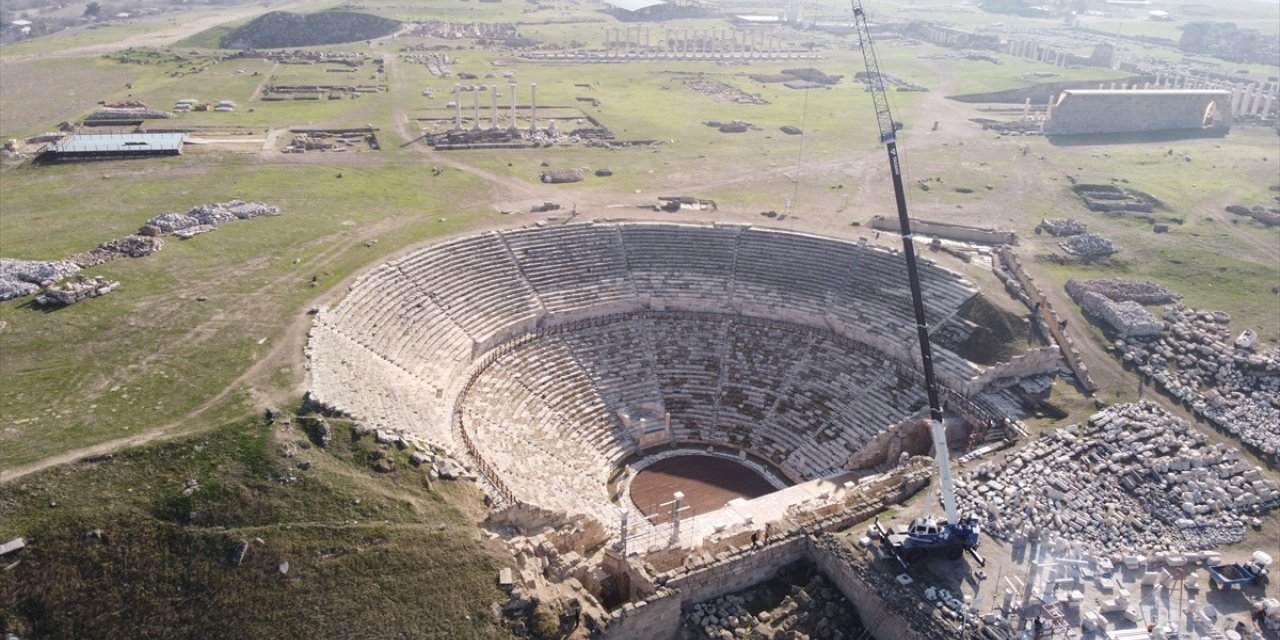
{"x":1135,"y":111}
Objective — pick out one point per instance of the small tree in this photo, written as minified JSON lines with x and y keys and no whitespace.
{"x":92,"y":10}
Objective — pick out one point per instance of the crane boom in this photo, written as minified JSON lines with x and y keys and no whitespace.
{"x":889,"y":137}
{"x":879,"y":97}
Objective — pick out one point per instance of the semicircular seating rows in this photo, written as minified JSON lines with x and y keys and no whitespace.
{"x":768,"y":340}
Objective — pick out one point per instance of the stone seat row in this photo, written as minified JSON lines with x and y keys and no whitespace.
{"x":550,"y":391}
{"x":482,"y":286}
{"x":424,"y":319}
{"x":393,"y":399}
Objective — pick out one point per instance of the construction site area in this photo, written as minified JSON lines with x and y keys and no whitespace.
{"x":640,"y":319}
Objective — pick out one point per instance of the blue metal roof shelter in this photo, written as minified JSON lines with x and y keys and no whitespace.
{"x":117,"y":145}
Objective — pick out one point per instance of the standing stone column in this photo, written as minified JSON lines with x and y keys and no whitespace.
{"x":533,"y":106}
{"x":457,"y":107}
{"x":493,"y":103}
{"x":513,"y":105}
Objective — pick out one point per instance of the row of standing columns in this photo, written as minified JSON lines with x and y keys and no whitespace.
{"x":637,"y":42}
{"x":1032,"y":50}
{"x":1255,"y":99}
{"x":493,"y":94}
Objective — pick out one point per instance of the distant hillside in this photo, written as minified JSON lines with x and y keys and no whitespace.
{"x":282,"y":29}
{"x":1229,"y":42}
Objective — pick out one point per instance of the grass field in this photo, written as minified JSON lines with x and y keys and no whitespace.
{"x":154,"y":352}
{"x":30,"y":103}
{"x":204,"y":334}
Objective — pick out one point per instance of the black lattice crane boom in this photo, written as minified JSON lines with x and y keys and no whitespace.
{"x":955,"y":536}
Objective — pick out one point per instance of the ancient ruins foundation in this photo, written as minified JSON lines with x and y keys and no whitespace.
{"x":1233,"y":381}
{"x":24,"y":277}
{"x":1133,"y":480}
{"x":1088,"y":246}
{"x":1109,"y":198}
{"x":21,"y":277}
{"x":554,"y":362}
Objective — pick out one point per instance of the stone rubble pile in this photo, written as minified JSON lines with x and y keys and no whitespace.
{"x":1121,"y":290}
{"x":560,"y":552}
{"x":1134,"y":479}
{"x":1088,"y":246}
{"x":1061,"y":227}
{"x":74,"y":290}
{"x":933,"y":623}
{"x":1234,"y":384}
{"x":722,"y":91}
{"x":24,"y":277}
{"x":127,"y":113}
{"x":561,"y":176}
{"x":205,"y":217}
{"x":1127,"y":318}
{"x":132,"y":246}
{"x":1268,"y":216}
{"x":816,"y":610}
{"x":307,"y":142}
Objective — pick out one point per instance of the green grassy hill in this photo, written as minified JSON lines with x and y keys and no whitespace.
{"x":145,"y":544}
{"x":283,"y":29}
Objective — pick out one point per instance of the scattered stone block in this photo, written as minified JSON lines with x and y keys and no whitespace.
{"x":13,"y":545}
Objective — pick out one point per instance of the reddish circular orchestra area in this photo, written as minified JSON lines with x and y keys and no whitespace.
{"x":707,"y":482}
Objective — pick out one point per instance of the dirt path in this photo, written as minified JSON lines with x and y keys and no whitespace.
{"x":1114,"y":383}
{"x":266,"y":77}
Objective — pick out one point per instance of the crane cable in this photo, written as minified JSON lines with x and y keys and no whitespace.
{"x":804,"y":116}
